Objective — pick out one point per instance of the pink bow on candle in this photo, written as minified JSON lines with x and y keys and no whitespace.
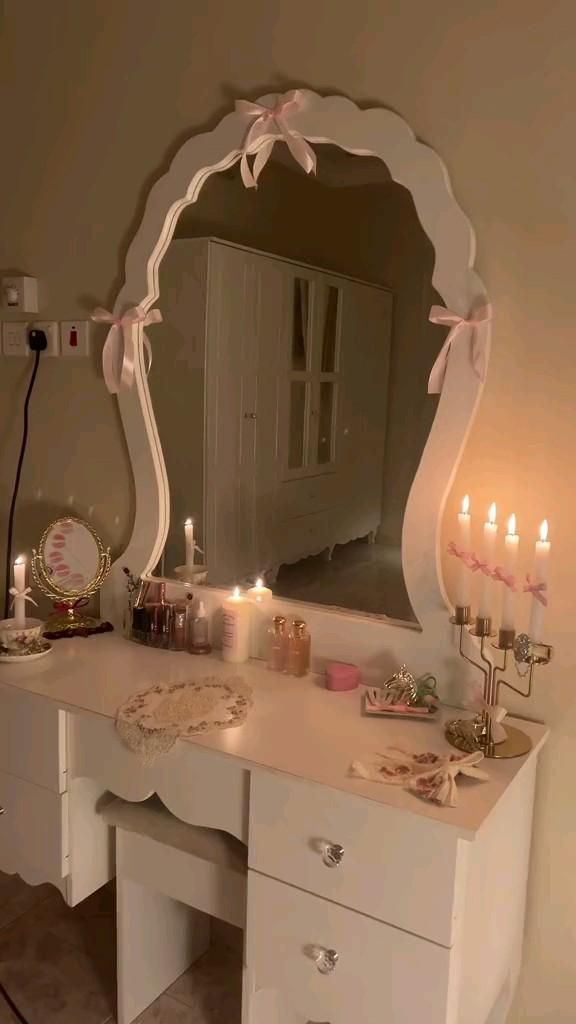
{"x":441,"y":315}
{"x":538,"y":590}
{"x":464,"y":556}
{"x":499,"y":574}
{"x":118,"y":354}
{"x":25,"y":594}
{"x":478,"y":564}
{"x":260,"y":141}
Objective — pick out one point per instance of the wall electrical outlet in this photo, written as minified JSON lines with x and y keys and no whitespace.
{"x":75,"y":338}
{"x":50,"y":328}
{"x":15,"y":339}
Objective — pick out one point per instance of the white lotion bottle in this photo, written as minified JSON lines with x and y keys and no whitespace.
{"x":236,"y":627}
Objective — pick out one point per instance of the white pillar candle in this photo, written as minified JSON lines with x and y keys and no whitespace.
{"x":539,"y":576}
{"x":189,"y":538}
{"x":511,"y":545}
{"x":488,"y":551}
{"x":236,"y":627}
{"x":20,"y":586}
{"x":260,"y":597}
{"x":463,"y":578}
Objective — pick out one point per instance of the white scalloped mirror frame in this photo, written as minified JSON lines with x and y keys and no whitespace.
{"x":372,"y":132}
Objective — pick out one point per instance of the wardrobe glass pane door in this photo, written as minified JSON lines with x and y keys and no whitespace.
{"x":297,"y":424}
{"x":331,"y":304}
{"x":300,"y":324}
{"x":326,"y":423}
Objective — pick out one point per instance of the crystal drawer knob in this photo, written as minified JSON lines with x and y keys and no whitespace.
{"x":326,"y":960}
{"x":332,"y":855}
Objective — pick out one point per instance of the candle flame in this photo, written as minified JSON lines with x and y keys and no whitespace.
{"x":236,"y":592}
{"x":465,"y":504}
{"x":259,"y":582}
{"x":189,"y":522}
{"x":20,"y":560}
{"x":544,"y":530}
{"x":492,"y":513}
{"x":512,"y":526}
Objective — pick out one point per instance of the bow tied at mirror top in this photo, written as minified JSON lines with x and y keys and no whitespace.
{"x":268,"y":126}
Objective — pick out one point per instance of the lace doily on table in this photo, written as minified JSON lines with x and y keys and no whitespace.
{"x":150,"y":722}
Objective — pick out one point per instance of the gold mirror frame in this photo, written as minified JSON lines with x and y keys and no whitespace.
{"x":71,"y":621}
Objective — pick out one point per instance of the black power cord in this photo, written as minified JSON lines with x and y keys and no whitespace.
{"x":37,"y":341}
{"x":12,"y":1005}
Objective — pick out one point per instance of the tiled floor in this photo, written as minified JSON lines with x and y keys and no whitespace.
{"x":59,"y":964}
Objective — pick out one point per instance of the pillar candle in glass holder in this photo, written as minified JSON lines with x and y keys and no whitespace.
{"x":539,"y":577}
{"x":463,"y":579}
{"x":236,"y":627}
{"x":488,"y":552}
{"x":189,"y":538}
{"x":20,"y":586}
{"x":511,"y":545}
{"x":260,"y":596}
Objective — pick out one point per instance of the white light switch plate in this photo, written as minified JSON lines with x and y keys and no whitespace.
{"x":50,"y":328}
{"x":75,"y":338}
{"x":15,"y":339}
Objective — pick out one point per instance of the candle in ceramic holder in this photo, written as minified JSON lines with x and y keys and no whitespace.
{"x":508,"y":620}
{"x":463,"y":580}
{"x":190,"y":544}
{"x":260,"y":596}
{"x":484,"y":614}
{"x":20,"y":587}
{"x":236,"y":633}
{"x":539,"y":580}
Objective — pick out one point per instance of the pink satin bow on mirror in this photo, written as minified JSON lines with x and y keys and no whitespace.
{"x":268,"y":128}
{"x":118,"y":354}
{"x":441,"y":315}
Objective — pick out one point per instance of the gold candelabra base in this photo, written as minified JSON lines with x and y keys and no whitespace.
{"x":483,"y":732}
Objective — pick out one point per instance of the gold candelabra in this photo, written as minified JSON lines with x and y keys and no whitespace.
{"x":484,"y":732}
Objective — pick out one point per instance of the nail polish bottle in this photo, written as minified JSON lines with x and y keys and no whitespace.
{"x":178,"y":628}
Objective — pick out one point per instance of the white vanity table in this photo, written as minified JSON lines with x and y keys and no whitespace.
{"x":426,"y":909}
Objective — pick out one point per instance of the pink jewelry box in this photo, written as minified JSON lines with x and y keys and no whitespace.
{"x":342,"y":676}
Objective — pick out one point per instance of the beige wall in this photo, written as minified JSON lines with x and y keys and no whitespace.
{"x":95,"y":96}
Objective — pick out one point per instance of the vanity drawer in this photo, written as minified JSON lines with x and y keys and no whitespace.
{"x":396,"y":866}
{"x":33,"y":831}
{"x":381,"y":974}
{"x":32,"y":739}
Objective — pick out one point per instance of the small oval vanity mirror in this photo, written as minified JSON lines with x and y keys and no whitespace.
{"x":69,"y":566}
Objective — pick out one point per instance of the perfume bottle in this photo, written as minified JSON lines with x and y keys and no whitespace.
{"x":298,"y":661}
{"x":178,"y":631}
{"x":198,"y":642}
{"x":277,"y":644}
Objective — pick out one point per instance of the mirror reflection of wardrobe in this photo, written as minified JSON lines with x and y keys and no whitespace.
{"x":281,"y":422}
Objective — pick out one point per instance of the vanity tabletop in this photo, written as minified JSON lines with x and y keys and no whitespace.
{"x":296,"y":726}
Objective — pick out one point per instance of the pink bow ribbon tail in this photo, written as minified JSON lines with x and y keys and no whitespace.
{"x":441,"y":315}
{"x":501,"y":576}
{"x":270,"y":126}
{"x":538,"y":591}
{"x":478,"y":564}
{"x":119,"y":352}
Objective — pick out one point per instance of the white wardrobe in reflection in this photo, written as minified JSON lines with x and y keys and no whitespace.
{"x":270,"y":390}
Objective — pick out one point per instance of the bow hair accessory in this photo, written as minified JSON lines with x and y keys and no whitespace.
{"x":119,"y":352}
{"x":268,"y":126}
{"x":441,"y":315}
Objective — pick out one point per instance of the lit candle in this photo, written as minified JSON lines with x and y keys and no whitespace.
{"x":260,"y":596}
{"x":20,"y":586}
{"x":236,"y":627}
{"x":463,"y":581}
{"x":539,"y":576}
{"x":511,"y":545}
{"x":189,"y":538}
{"x":489,"y":547}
